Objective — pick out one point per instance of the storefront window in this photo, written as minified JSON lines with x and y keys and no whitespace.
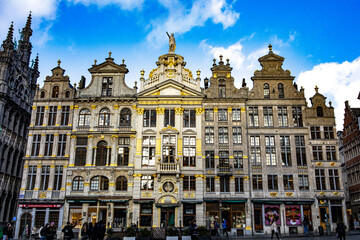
{"x":40,"y":218}
{"x":75,"y":215}
{"x":293,"y":215}
{"x":54,"y":217}
{"x":145,"y":215}
{"x":189,"y":214}
{"x":336,"y":211}
{"x":272,"y":212}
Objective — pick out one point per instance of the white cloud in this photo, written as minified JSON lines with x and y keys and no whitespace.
{"x":243,"y":64}
{"x":281,"y":43}
{"x":336,"y":81}
{"x":181,"y":20}
{"x":123,"y":4}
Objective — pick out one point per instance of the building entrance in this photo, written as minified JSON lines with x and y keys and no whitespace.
{"x":167,"y":217}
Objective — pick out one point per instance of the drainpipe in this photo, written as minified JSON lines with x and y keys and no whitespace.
{"x":249,"y":162}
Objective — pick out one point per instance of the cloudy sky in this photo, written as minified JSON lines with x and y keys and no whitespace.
{"x":319,"y":39}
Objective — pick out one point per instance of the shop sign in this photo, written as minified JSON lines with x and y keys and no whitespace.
{"x":39,"y":206}
{"x":272,"y":212}
{"x":113,"y":200}
{"x":81,"y":200}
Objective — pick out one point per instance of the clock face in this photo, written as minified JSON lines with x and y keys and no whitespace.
{"x":168,"y":186}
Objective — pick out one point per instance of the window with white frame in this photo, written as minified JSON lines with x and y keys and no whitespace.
{"x":45,"y":176}
{"x":104,"y":117}
{"x":238,"y":159}
{"x":35,"y":150}
{"x":300,"y":151}
{"x":78,"y":184}
{"x":268,"y":116}
{"x":150,"y":118}
{"x":65,"y":115}
{"x":209,"y":135}
{"x":303,"y":182}
{"x":331,"y":153}
{"x":106,"y":89}
{"x":148,"y":151}
{"x":189,"y":151}
{"x":239,"y":184}
{"x":253,"y":116}
{"x":270,"y":152}
{"x":285,"y":150}
{"x":49,"y":144}
{"x":288,"y":182}
{"x":255,"y":150}
{"x":334,"y":179}
{"x":84,"y":117}
{"x":189,"y":118}
{"x":169,"y":117}
{"x":236,"y":114}
{"x":168,"y":148}
{"x":297,"y":117}
{"x":61,"y":145}
{"x":223,"y":135}
{"x":210,"y":184}
{"x":147,"y":183}
{"x":99,"y":183}
{"x":282,"y":117}
{"x":236,"y":135}
{"x":209,"y":115}
{"x":210,"y":159}
{"x":123,"y":151}
{"x":222,"y":114}
{"x":317,"y":153}
{"x":58,"y":177}
{"x":31,"y":177}
{"x":52,"y":115}
{"x":40,"y":112}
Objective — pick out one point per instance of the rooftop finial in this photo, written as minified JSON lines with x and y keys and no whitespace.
{"x":316,"y":89}
{"x":123,"y":61}
{"x":110,"y":54}
{"x":95,"y":61}
{"x":142,"y":72}
{"x":59,"y":63}
{"x":270,"y":47}
{"x":8,"y":43}
{"x":227,"y":61}
{"x":198,"y":73}
{"x":221,"y":56}
{"x":214,"y":62}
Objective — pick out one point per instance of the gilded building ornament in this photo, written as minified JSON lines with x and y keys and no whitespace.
{"x":215,"y":110}
{"x":229,"y":110}
{"x":140,"y":110}
{"x":160,"y":110}
{"x":199,"y":111}
{"x":92,"y":106}
{"x":179,"y":110}
{"x":116,"y":106}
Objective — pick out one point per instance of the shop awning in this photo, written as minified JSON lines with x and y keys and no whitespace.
{"x":143,"y":200}
{"x":285,"y":201}
{"x":267,"y":201}
{"x":113,"y":200}
{"x":81,"y":200}
{"x":164,"y":205}
{"x":234,"y":201}
{"x":211,"y":200}
{"x":299,"y":202}
{"x":192,"y":201}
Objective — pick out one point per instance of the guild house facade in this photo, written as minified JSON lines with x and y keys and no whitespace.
{"x":167,"y":151}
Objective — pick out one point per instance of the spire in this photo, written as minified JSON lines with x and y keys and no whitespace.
{"x":36,"y":65}
{"x":8,"y":43}
{"x":27,"y":31}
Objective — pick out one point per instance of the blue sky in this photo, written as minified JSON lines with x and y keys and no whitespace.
{"x":319,"y":39}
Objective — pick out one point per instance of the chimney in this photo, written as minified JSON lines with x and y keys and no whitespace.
{"x":206,"y":83}
{"x":82,"y":82}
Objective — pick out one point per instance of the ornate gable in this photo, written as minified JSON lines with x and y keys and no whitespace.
{"x":109,"y":66}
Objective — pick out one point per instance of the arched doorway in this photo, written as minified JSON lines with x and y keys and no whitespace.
{"x":26,"y":219}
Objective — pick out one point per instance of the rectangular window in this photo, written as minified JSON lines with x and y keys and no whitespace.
{"x":106,"y":86}
{"x":297,"y":117}
{"x":303,"y":182}
{"x":239,"y":184}
{"x":35,"y":150}
{"x":61,"y":145}
{"x":254,"y":116}
{"x":169,"y":118}
{"x":317,"y":153}
{"x":236,"y":135}
{"x":331,"y":153}
{"x":148,"y":151}
{"x":189,"y":151}
{"x":52,"y":115}
{"x":65,"y":113}
{"x":209,"y":159}
{"x":282,"y":117}
{"x":236,"y":114}
{"x":146,"y":215}
{"x":168,"y":148}
{"x":189,"y":183}
{"x":336,"y":214}
{"x":285,"y":150}
{"x":224,"y":158}
{"x":257,"y":182}
{"x":320,"y":179}
{"x":31,"y":177}
{"x":45,"y":175}
{"x":224,"y":184}
{"x":222,"y":115}
{"x":273,"y":183}
{"x":80,"y":154}
{"x":123,"y":151}
{"x":210,"y":184}
{"x":40,"y":112}
{"x":315,"y":132}
{"x":288,"y":182}
{"x":189,"y":118}
{"x":189,"y":214}
{"x":238,"y":159}
{"x":209,"y":115}
{"x":223,"y":135}
{"x":209,"y":135}
{"x":270,"y":150}
{"x":300,"y":151}
{"x":149,"y":118}
{"x":49,"y":143}
{"x":334,"y":179}
{"x":268,"y":117}
{"x":329,"y":132}
{"x":58,"y":177}
{"x":147,"y":183}
{"x":255,"y":150}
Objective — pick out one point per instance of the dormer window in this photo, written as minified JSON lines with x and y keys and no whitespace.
{"x":222,"y":88}
{"x":107,"y":86}
{"x":281,"y":90}
{"x":266,"y":91}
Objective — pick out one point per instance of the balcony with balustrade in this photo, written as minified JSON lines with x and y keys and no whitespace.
{"x":224,"y":170}
{"x":168,"y":168}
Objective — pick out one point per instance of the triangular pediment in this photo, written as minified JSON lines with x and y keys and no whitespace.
{"x":169,"y":130}
{"x":189,"y":132}
{"x":170,"y":88}
{"x":271,"y":57}
{"x":149,"y":132}
{"x":108,"y":67}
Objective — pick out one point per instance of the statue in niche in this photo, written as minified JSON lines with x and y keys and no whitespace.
{"x":172,"y":43}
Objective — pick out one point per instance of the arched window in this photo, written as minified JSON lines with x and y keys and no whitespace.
{"x":121,"y":184}
{"x":222,"y":88}
{"x":84,"y":117}
{"x":55,"y":92}
{"x":42,"y":94}
{"x":125,"y":117}
{"x":99,"y":183}
{"x":102,"y":153}
{"x":281,"y":90}
{"x":67,"y":94}
{"x":78,"y":184}
{"x":266,"y":91}
{"x":319,"y":111}
{"x":104,"y":117}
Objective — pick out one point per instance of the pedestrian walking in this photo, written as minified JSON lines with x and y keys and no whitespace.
{"x":193,"y":230}
{"x":33,"y":232}
{"x":8,"y":232}
{"x":101,"y":230}
{"x":85,"y":232}
{"x":306,"y":225}
{"x":341,"y":230}
{"x":224,"y":224}
{"x":44,"y":231}
{"x":68,"y":232}
{"x":51,"y":232}
{"x":274,"y":229}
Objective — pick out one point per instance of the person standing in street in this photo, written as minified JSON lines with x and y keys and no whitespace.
{"x":306,"y":225}
{"x":8,"y":232}
{"x":68,"y":232}
{"x":224,"y":225}
{"x":341,"y":230}
{"x":274,"y":229}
